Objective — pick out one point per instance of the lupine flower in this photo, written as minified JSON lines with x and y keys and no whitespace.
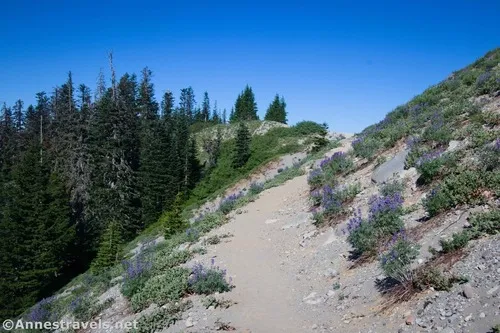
{"x":314,"y":175}
{"x":358,"y":141}
{"x":136,"y":266}
{"x":496,"y":147}
{"x":481,"y":79}
{"x":329,"y":200}
{"x":428,"y":157}
{"x":41,"y":311}
{"x":412,"y":141}
{"x":384,"y":204}
{"x":355,"y":221}
{"x":316,"y":197}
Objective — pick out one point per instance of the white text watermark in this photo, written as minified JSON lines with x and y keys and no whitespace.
{"x":20,"y":324}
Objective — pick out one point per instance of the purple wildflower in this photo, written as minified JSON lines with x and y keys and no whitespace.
{"x":385,"y":204}
{"x":428,"y":157}
{"x":355,"y":221}
{"x":357,"y":142}
{"x":329,"y":200}
{"x":136,"y":266}
{"x":41,"y":311}
{"x":496,"y":146}
{"x":412,"y":141}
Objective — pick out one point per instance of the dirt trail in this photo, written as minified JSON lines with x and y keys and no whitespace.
{"x":277,"y":260}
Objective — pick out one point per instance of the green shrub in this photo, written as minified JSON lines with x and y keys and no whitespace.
{"x":480,"y":136}
{"x":212,"y":240}
{"x":286,"y":175}
{"x":164,"y":260}
{"x":216,"y":303}
{"x":316,"y":179}
{"x":489,"y":156}
{"x":486,"y":223}
{"x":318,"y":218}
{"x":308,"y":128}
{"x":86,"y":308}
{"x":458,"y":241}
{"x":431,"y":277}
{"x":429,"y":166}
{"x":365,"y":147}
{"x":209,"y":222}
{"x":392,"y":187}
{"x":206,"y":281}
{"x":380,"y":160}
{"x":161,"y":289}
{"x":255,"y":188}
{"x":397,"y":260}
{"x":338,"y":164}
{"x":161,"y":318}
{"x":363,"y":239}
{"x":131,"y":287}
{"x":384,"y":220}
{"x":462,"y":188}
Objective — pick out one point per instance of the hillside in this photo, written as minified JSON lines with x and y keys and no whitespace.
{"x":393,"y":230}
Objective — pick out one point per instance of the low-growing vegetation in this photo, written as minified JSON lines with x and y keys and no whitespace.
{"x":384,"y":221}
{"x":206,"y":281}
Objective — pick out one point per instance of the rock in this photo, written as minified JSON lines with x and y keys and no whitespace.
{"x":482,"y":315}
{"x":314,"y":326}
{"x":453,"y":145}
{"x":421,"y":323}
{"x":468,"y":318}
{"x":183,"y":247}
{"x":331,"y":273}
{"x":239,"y":211}
{"x":468,"y":291}
{"x":309,"y":234}
{"x":386,"y":170}
{"x":410,"y":320}
{"x":311,"y":295}
{"x":315,"y":301}
{"x":189,"y":322}
{"x":330,"y":293}
{"x":492,"y":290}
{"x":271,"y":221}
{"x":448,"y":330}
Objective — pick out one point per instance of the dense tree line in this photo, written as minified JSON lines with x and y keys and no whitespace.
{"x":82,"y":173}
{"x":77,"y":170}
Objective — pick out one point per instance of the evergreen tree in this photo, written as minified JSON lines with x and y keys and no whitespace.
{"x":231,"y":116}
{"x":36,"y":232}
{"x":19,"y":116}
{"x":205,"y":108}
{"x":224,"y":116}
{"x":216,"y":119}
{"x":167,"y":104}
{"x":173,"y":221}
{"x":277,"y":110}
{"x":245,"y":107}
{"x":242,"y":147}
{"x":187,"y":103}
{"x":109,"y":247}
{"x":154,"y":173}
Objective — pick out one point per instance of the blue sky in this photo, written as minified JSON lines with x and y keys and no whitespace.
{"x":344,"y":62}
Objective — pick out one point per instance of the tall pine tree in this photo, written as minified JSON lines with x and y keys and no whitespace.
{"x":242,"y":146}
{"x":277,"y":110}
{"x":245,"y":107}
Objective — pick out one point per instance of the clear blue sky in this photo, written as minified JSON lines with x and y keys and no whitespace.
{"x":344,"y":62}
